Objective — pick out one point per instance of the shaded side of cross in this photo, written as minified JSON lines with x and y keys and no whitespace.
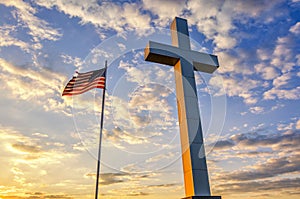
{"x":185,"y":61}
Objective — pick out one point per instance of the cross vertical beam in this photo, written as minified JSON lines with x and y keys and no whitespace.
{"x":185,"y":61}
{"x":180,"y":34}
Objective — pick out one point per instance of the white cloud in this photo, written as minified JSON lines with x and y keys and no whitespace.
{"x":284,"y":59}
{"x":238,"y":88}
{"x":212,"y":18}
{"x":215,"y":19}
{"x":146,"y":110}
{"x":118,"y":135}
{"x":256,"y":109}
{"x":277,"y":106}
{"x":74,"y":61}
{"x":292,"y":94}
{"x":298,"y":124}
{"x":46,"y":92}
{"x":263,"y":54}
{"x":282,"y":88}
{"x":298,"y":59}
{"x":295,"y":28}
{"x":45,"y":81}
{"x":267,"y":72}
{"x":106,"y":15}
{"x":22,"y":155}
{"x":285,"y":127}
{"x":216,"y":23}
{"x":160,"y":157}
{"x":225,"y":41}
{"x":37,"y":28}
{"x":231,"y":64}
{"x":283,"y":56}
{"x":164,"y":10}
{"x":282,"y":80}
{"x":7,"y":40}
{"x":134,"y":74}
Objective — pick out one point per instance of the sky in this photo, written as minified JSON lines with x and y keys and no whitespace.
{"x":249,"y":106}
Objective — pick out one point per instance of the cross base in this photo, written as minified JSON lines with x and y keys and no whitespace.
{"x":202,"y":197}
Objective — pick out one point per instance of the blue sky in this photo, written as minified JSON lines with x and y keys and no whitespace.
{"x":249,"y":106}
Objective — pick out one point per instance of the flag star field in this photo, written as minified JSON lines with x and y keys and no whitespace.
{"x":250,"y":106}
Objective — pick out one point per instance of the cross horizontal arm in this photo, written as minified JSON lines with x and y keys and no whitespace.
{"x":161,"y":53}
{"x":204,"y":62}
{"x":169,"y":55}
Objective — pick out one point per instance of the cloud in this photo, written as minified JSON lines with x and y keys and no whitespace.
{"x":240,"y":78}
{"x":256,"y":139}
{"x":283,"y":165}
{"x":273,"y":168}
{"x":146,"y":111}
{"x":282,"y":185}
{"x":105,"y":15}
{"x":298,"y":124}
{"x":132,"y":184}
{"x":37,"y":28}
{"x":147,"y":114}
{"x":109,"y":178}
{"x":223,"y":144}
{"x":74,"y":61}
{"x":29,"y":148}
{"x":217,"y":20}
{"x":118,"y":135}
{"x":284,"y":59}
{"x":295,"y":29}
{"x":164,"y":11}
{"x":234,"y":87}
{"x":282,"y":80}
{"x":160,"y":157}
{"x":263,"y":55}
{"x":285,"y":127}
{"x":37,"y":195}
{"x":137,"y":194}
{"x":18,"y":81}
{"x":41,"y":78}
{"x":28,"y":160}
{"x":288,"y":139}
{"x":40,"y":135}
{"x":256,"y":109}
{"x":7,"y":40}
{"x":213,"y":21}
{"x":283,"y":56}
{"x":163,"y":185}
{"x":267,"y":73}
{"x":116,"y":178}
{"x":220,"y":22}
{"x":291,"y":94}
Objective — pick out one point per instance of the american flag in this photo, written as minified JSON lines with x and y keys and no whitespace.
{"x":83,"y":82}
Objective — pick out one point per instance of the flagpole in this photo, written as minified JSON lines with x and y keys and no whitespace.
{"x":100,"y":137}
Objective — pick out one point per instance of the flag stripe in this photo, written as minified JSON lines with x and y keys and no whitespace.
{"x":84,"y":90}
{"x":84,"y":82}
{"x":80,"y":84}
{"x":77,"y":82}
{"x":77,"y":92}
{"x":84,"y":87}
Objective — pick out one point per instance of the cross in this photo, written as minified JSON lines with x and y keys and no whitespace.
{"x":185,"y":61}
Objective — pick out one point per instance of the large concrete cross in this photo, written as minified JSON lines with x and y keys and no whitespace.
{"x":185,"y":61}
